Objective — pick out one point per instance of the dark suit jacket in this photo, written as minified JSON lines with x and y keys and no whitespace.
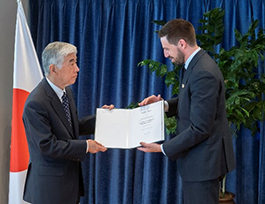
{"x":54,"y":172}
{"x":203,"y":144}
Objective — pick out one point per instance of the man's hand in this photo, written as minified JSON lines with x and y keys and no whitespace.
{"x":150,"y":147}
{"x":94,"y":147}
{"x":150,"y":99}
{"x":110,"y":107}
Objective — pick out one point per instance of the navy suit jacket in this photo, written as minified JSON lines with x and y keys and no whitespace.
{"x":54,"y":172}
{"x":203,"y":144}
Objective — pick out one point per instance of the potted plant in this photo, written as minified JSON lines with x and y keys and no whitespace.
{"x":244,"y":85}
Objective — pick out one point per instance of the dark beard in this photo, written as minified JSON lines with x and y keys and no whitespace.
{"x":179,"y":61}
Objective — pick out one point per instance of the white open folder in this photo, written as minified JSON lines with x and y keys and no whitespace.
{"x":126,"y":128}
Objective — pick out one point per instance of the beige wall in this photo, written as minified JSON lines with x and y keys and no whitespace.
{"x":8,"y":10}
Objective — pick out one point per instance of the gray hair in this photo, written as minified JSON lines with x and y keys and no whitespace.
{"x":54,"y":53}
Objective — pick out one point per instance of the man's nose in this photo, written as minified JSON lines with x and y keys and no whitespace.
{"x":77,"y":68}
{"x":166,"y":54}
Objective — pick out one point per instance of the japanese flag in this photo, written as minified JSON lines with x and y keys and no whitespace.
{"x":27,"y":74}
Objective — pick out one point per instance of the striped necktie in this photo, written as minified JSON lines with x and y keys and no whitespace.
{"x":65,"y":103}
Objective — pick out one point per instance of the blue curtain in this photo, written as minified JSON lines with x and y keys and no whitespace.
{"x":112,"y":37}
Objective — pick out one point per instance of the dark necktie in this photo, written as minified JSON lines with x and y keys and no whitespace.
{"x":183,"y":72}
{"x":65,"y":103}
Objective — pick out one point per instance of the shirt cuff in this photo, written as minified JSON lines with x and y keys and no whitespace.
{"x":162,"y":149}
{"x":166,"y":106}
{"x":87,"y":146}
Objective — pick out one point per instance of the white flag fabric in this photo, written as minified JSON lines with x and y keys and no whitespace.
{"x":27,"y":74}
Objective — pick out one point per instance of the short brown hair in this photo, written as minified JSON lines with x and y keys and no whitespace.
{"x":177,"y":29}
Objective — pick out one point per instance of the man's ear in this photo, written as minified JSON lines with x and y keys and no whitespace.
{"x":182,"y":43}
{"x":53,"y":69}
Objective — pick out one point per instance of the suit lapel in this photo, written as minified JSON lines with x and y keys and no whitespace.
{"x":57,"y":106}
{"x":192,"y":64}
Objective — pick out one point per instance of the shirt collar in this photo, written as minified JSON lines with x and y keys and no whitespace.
{"x":57,"y":90}
{"x":191,"y":56}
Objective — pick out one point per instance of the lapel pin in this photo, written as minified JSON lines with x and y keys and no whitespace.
{"x":183,"y":85}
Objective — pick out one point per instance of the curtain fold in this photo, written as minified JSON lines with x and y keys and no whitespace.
{"x":261,"y":172}
{"x":112,"y":37}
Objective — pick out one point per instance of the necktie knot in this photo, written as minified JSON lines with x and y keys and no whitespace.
{"x":65,"y":103}
{"x":183,"y":69}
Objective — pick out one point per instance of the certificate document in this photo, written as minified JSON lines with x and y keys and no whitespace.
{"x":126,"y":128}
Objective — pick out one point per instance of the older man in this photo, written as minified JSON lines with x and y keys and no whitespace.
{"x":52,"y":129}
